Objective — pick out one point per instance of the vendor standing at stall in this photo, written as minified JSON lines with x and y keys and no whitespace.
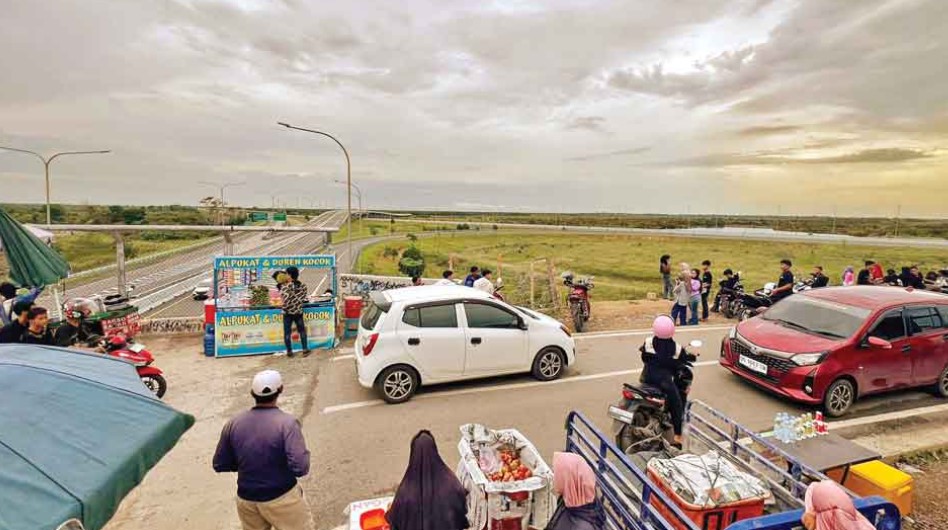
{"x":294,"y":294}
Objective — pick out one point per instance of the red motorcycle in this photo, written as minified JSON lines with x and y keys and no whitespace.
{"x":578,"y":299}
{"x":135,"y":353}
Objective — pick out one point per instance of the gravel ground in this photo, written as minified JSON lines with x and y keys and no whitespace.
{"x":931,"y":510}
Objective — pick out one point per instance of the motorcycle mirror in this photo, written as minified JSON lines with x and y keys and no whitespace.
{"x":696,"y":343}
{"x":500,"y":282}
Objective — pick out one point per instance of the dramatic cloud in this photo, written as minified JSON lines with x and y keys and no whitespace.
{"x":559,"y":105}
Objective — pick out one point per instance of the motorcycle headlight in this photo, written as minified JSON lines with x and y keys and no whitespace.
{"x":808,"y":359}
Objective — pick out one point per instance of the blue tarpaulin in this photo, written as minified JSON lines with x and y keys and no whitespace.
{"x":78,"y":431}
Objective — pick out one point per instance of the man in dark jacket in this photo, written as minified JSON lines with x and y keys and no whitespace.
{"x":817,"y":278}
{"x":472,"y":277}
{"x":265,"y":446}
{"x":13,"y":332}
{"x":294,"y":294}
{"x":37,"y":330}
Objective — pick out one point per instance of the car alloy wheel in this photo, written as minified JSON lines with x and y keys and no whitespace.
{"x":839,"y":397}
{"x":942,"y":387}
{"x":398,"y":384}
{"x":548,"y":365}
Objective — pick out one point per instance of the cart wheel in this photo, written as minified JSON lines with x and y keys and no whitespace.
{"x":839,"y":397}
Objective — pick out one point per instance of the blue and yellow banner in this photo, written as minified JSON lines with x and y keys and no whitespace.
{"x":261,"y":331}
{"x":263,"y":263}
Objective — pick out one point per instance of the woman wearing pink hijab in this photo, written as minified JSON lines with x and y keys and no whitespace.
{"x":828,"y":507}
{"x":575,"y":482}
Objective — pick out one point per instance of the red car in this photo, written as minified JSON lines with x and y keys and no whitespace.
{"x":830,"y":346}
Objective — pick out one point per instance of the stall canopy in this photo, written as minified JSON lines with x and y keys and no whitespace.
{"x":33,"y":263}
{"x":78,"y":431}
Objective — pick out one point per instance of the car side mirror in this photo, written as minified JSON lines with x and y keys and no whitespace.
{"x":521,"y":324}
{"x":876,"y":342}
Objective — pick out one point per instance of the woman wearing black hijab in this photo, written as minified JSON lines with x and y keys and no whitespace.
{"x":429,"y":497}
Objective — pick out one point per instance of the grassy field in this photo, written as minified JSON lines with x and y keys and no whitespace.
{"x":626,"y":267}
{"x":861,"y":226}
{"x":365,"y":228}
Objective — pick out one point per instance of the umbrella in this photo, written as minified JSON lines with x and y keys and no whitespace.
{"x":78,"y":431}
{"x":32,"y":262}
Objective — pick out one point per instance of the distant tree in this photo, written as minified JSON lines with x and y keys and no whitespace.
{"x":133,"y":216}
{"x":57,"y":213}
{"x":116,"y":214}
{"x":412,"y":262}
{"x":412,"y":238}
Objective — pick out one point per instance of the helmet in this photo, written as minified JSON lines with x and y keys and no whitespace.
{"x":663,"y":327}
{"x":77,"y":308}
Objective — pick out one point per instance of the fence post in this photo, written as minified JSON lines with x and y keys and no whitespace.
{"x":551,"y":273}
{"x":532,"y":287}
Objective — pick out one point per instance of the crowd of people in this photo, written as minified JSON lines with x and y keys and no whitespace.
{"x":690,"y":289}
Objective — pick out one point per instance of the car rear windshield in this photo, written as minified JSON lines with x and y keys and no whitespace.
{"x":820,"y":317}
{"x":371,"y":316}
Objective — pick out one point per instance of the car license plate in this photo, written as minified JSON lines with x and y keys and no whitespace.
{"x":756,"y":366}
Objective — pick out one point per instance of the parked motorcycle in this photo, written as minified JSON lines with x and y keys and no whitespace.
{"x":727,"y":295}
{"x":752,"y":304}
{"x":125,"y":348}
{"x":640,"y":419}
{"x":497,"y":287}
{"x":578,"y":299}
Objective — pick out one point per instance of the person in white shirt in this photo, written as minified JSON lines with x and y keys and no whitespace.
{"x":447,"y":278}
{"x":483,"y":283}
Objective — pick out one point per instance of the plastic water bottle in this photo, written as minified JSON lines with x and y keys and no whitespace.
{"x":808,"y":425}
{"x":783,"y":427}
{"x":777,"y":433}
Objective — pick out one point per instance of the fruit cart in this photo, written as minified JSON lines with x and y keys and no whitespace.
{"x":509,"y":485}
{"x":633,"y":500}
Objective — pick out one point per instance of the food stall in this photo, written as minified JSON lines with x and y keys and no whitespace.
{"x":248,"y":319}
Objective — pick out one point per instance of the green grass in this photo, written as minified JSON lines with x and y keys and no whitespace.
{"x":90,"y":250}
{"x":626,"y":267}
{"x":366,"y":228}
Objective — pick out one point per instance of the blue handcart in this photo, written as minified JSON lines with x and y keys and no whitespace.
{"x":630,"y":497}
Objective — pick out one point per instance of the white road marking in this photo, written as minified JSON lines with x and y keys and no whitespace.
{"x":643,"y":332}
{"x":512,"y":386}
{"x":887,"y":416}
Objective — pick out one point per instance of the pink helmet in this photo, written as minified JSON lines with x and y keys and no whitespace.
{"x":663,"y":327}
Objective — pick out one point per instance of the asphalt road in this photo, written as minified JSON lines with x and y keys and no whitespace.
{"x":360,"y":444}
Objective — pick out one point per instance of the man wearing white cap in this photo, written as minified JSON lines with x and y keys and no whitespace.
{"x":265,"y":446}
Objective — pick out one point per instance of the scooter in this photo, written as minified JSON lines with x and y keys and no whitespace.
{"x":125,"y":348}
{"x":578,"y":299}
{"x":640,"y":420}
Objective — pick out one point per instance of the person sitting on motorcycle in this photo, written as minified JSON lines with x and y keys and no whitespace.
{"x":817,"y":278}
{"x":662,"y":357}
{"x":726,"y":286}
{"x":73,"y":331}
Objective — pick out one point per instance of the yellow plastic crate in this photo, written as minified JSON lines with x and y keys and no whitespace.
{"x":878,"y":478}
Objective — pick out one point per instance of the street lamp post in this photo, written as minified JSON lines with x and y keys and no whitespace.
{"x":222,"y":187}
{"x":358,"y":191}
{"x":348,"y":181}
{"x":46,"y":163}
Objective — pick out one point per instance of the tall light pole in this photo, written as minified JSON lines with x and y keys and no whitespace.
{"x":46,"y":163}
{"x":348,"y":181}
{"x":222,"y":187}
{"x":358,"y":191}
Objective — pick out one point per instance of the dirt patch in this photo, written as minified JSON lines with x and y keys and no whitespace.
{"x":633,"y":314}
{"x":931,"y":510}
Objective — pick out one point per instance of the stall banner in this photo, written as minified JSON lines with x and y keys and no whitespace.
{"x":260,"y":331}
{"x":363,"y":284}
{"x":128,"y":325}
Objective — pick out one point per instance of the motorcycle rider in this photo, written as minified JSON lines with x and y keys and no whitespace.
{"x":818,"y":278}
{"x":661,"y":357}
{"x":785,"y":283}
{"x":74,"y":330}
{"x":726,"y":286}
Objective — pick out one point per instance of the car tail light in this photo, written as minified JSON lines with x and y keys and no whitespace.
{"x":370,"y":344}
{"x":628,"y":394}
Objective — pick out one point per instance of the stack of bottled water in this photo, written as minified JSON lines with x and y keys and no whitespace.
{"x":790,"y":429}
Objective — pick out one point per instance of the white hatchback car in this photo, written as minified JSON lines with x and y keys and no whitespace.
{"x":430,"y":334}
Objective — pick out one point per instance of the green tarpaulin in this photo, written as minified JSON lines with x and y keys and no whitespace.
{"x":32,"y":262}
{"x":78,"y":431}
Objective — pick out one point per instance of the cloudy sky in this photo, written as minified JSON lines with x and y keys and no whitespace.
{"x":756,"y":106}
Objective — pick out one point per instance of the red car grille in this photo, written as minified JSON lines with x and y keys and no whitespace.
{"x":776,"y":365}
